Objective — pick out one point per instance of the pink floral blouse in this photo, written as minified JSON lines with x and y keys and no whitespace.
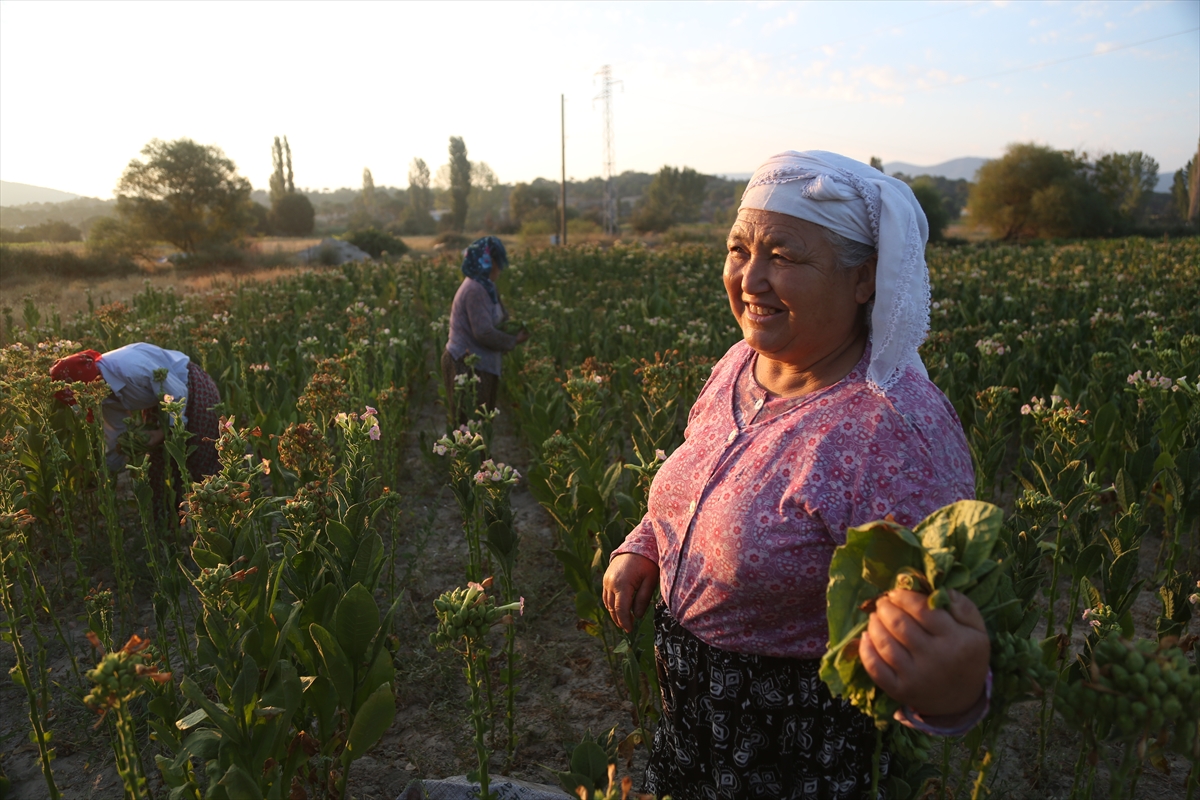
{"x":744,"y":516}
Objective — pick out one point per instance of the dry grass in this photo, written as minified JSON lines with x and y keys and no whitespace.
{"x":69,"y":297}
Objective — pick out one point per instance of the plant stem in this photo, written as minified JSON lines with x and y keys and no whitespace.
{"x":875,"y":759}
{"x":476,"y":661}
{"x":946,"y":745}
{"x":35,"y":720}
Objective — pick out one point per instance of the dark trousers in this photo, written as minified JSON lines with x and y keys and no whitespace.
{"x":738,"y":726}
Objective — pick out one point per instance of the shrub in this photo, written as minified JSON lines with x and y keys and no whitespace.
{"x":449,"y":240}
{"x":52,"y":231}
{"x":582,"y":226}
{"x":1038,"y":191}
{"x":673,"y":196}
{"x":33,"y":263}
{"x":376,"y":242}
{"x":933,"y":205}
{"x":113,"y":239}
{"x":215,"y":255}
{"x":292,"y":215}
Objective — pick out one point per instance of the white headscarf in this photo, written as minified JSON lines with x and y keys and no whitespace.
{"x":865,"y":205}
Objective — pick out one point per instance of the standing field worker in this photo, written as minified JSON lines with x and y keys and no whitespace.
{"x":822,"y":418}
{"x":137,"y":375}
{"x":474,"y":319}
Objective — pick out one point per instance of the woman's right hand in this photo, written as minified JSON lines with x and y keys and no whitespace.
{"x":629,"y":585}
{"x":522,"y":335}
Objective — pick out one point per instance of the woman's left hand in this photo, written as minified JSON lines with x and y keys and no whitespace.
{"x":933,"y":660}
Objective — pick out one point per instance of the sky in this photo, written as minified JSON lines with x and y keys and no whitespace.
{"x":715,"y":86}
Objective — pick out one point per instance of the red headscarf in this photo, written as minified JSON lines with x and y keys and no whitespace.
{"x":79,"y":368}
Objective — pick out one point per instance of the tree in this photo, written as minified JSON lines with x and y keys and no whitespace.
{"x":932,"y":203}
{"x":1180,"y":194}
{"x":368,"y":191}
{"x":417,"y":220}
{"x":483,"y":176}
{"x":877,"y":163}
{"x":111,"y":238}
{"x":1033,"y":190}
{"x":674,"y":195}
{"x":184,"y":193}
{"x":281,"y":179}
{"x":460,"y":182}
{"x":292,"y":215}
{"x":1126,"y":181}
{"x":532,"y":204}
{"x":365,"y":206}
{"x":1193,"y":214}
{"x":55,"y":230}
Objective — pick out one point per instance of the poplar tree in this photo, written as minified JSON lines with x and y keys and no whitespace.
{"x":460,"y":182}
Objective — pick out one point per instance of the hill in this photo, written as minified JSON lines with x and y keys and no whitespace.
{"x":19,"y":194}
{"x":954,"y":169}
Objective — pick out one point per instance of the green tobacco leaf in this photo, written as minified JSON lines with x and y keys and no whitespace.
{"x":321,"y":697}
{"x":1088,"y":561}
{"x":239,"y":785}
{"x":371,"y":721}
{"x":336,"y":666}
{"x":343,"y":541}
{"x":938,"y":563}
{"x":367,"y":561}
{"x":380,"y":672}
{"x":205,"y":559}
{"x":243,"y":694}
{"x":570,"y":781}
{"x":590,"y":759}
{"x":1090,"y":593}
{"x":1126,"y":491}
{"x":1107,"y":417}
{"x":218,"y":715}
{"x":356,"y":622}
{"x":202,"y":744}
{"x":971,"y":527}
{"x":983,"y":592}
{"x":887,"y":551}
{"x":192,"y":720}
{"x":847,"y":589}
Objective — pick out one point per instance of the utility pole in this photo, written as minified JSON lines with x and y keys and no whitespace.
{"x":610,"y":190}
{"x":562,"y":235}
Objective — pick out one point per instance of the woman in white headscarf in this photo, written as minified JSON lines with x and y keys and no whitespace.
{"x":822,"y":418}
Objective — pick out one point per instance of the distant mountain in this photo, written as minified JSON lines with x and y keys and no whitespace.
{"x":18,"y":194}
{"x":1166,"y":180}
{"x":955,"y":169}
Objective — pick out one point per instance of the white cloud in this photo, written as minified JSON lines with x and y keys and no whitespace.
{"x":1090,"y":10}
{"x":779,"y":23}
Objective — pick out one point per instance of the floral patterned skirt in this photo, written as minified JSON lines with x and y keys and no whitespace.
{"x":202,"y":423}
{"x":745,"y":726}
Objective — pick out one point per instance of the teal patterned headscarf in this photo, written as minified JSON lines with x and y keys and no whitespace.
{"x":478,"y":259}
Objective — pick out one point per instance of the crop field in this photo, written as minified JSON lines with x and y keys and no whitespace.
{"x":364,"y":595}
